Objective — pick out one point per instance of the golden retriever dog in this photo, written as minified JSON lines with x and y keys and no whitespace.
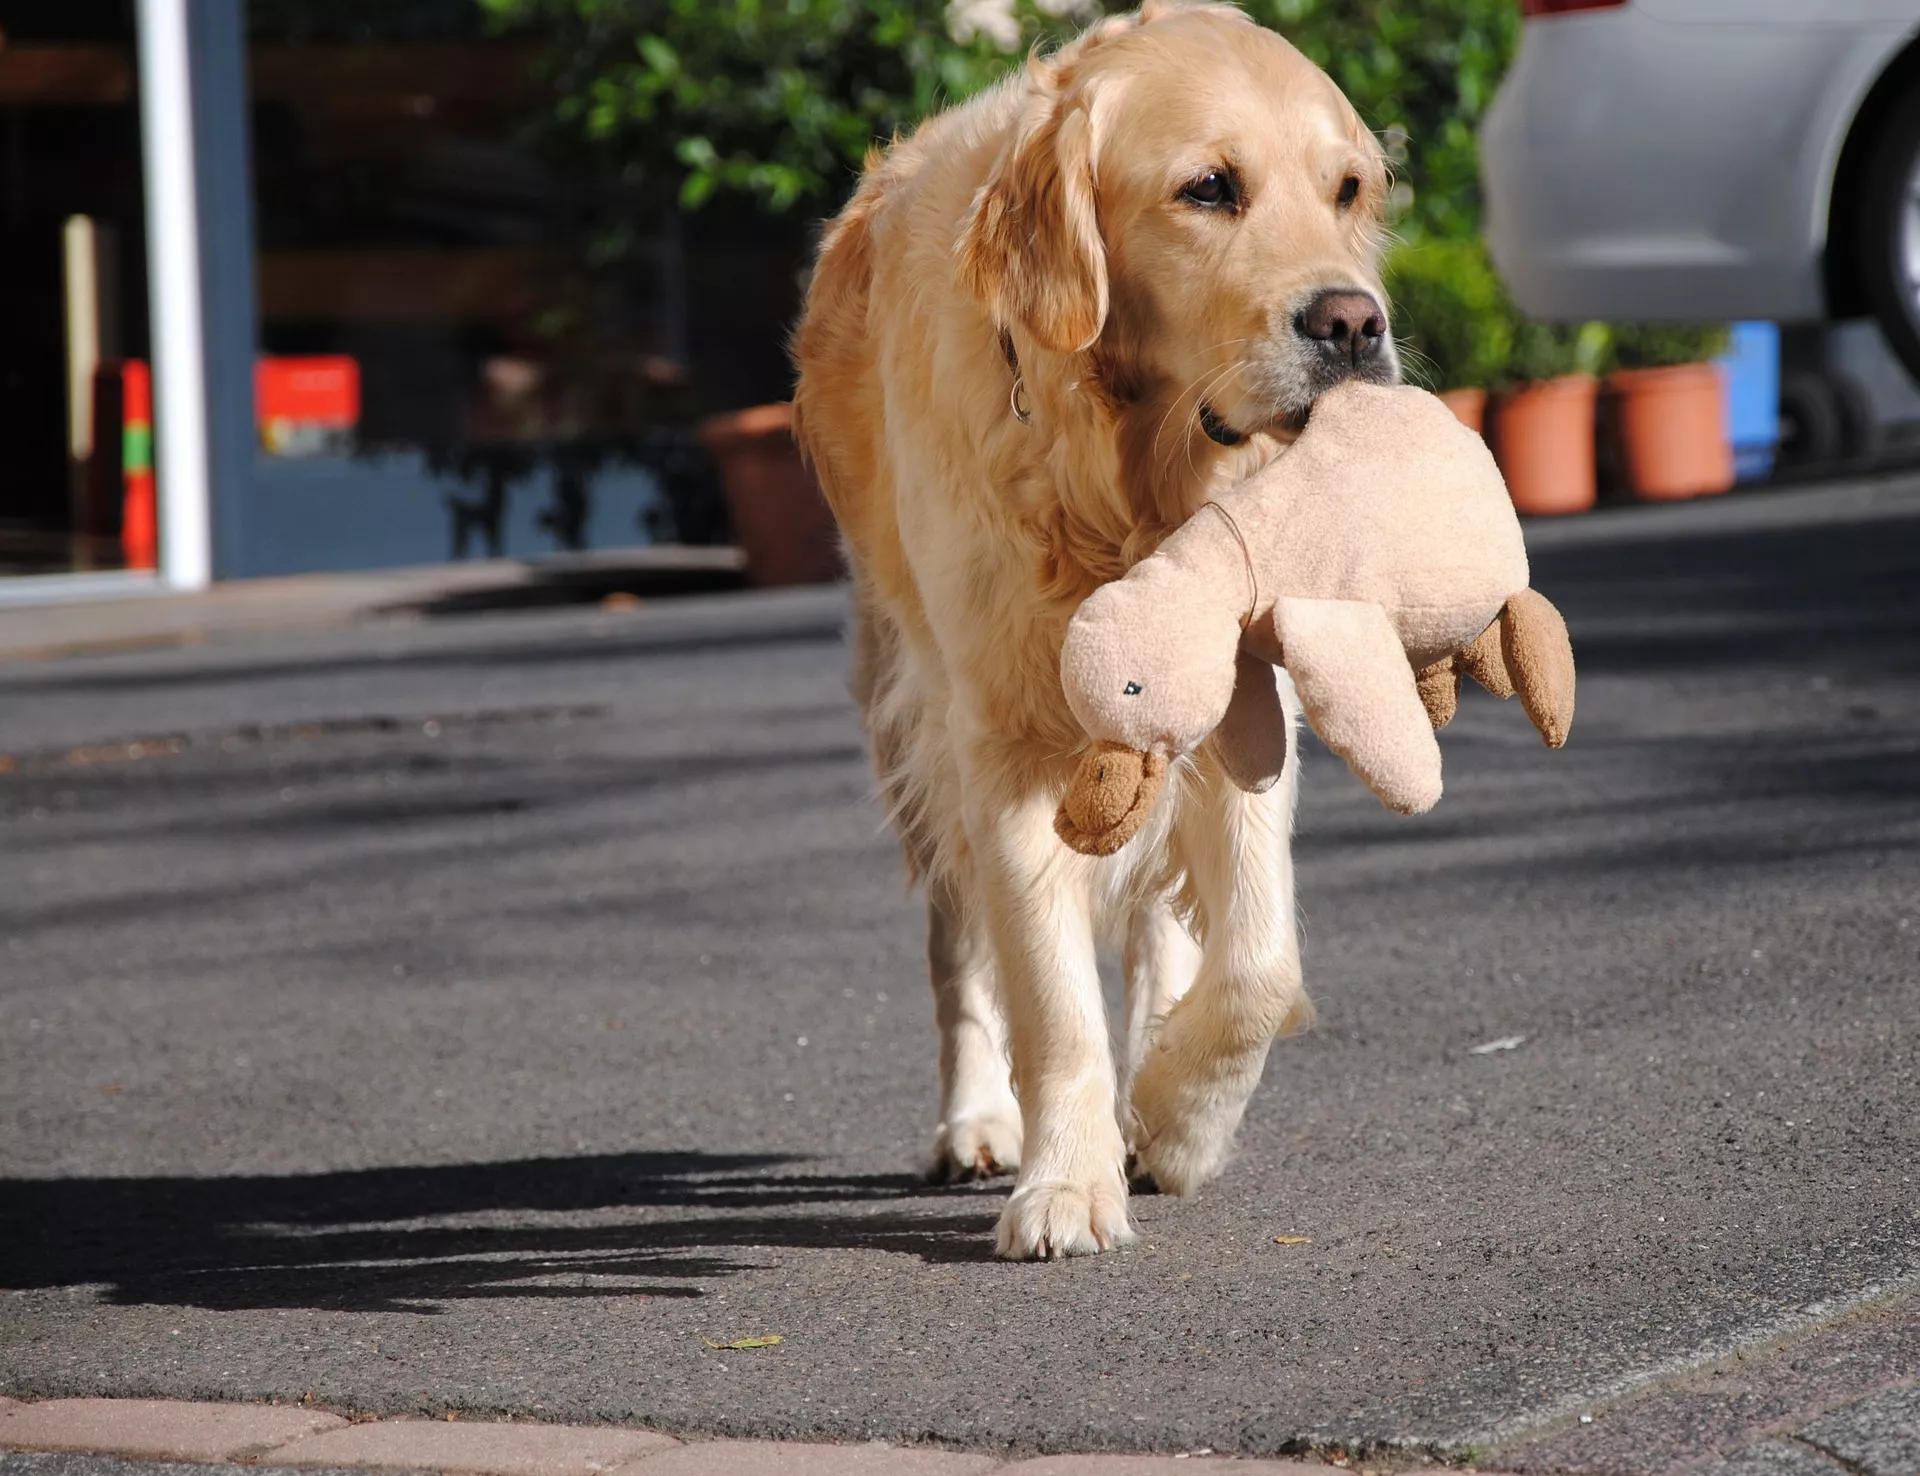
{"x":1047,"y":327}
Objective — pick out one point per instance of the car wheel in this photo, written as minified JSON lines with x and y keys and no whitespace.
{"x":1826,"y":418}
{"x":1860,"y":429}
{"x":1889,"y":249}
{"x":1811,"y":431}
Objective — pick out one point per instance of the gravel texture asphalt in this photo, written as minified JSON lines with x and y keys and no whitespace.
{"x":497,"y":1013}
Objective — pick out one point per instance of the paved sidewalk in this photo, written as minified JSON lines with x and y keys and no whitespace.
{"x":146,"y":615}
{"x":298,"y":1438}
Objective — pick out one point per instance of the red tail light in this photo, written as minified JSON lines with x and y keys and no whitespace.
{"x":1531,"y":8}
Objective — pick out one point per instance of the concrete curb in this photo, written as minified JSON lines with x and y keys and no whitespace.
{"x":284,"y":1436}
{"x":142,"y":616}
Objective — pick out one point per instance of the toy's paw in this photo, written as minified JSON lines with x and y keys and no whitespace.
{"x":1539,"y":656}
{"x":1112,"y":794}
{"x":1051,"y":1219}
{"x":1440,"y":691}
{"x":980,"y":1147}
{"x":1486,"y":663}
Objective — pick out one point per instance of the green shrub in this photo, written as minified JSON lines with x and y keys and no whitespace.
{"x":781,"y":99}
{"x":1549,"y":350}
{"x":1659,"y":345}
{"x":1460,"y":329}
{"x":1422,"y":74}
{"x":776,"y":99}
{"x":1450,"y":314}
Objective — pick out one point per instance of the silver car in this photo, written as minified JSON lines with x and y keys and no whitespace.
{"x":1712,"y":159}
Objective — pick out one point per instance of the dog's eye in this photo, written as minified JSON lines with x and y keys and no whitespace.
{"x":1216,"y":190}
{"x":1349,"y":191}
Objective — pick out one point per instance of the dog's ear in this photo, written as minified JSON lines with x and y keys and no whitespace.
{"x":1031,"y":249}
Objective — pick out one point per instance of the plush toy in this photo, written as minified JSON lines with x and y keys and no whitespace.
{"x":1377,"y":559}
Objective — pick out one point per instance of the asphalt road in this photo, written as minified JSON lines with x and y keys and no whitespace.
{"x":493,"y":1013}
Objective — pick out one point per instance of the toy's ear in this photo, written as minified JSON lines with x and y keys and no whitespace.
{"x":1358,"y":691}
{"x":1251,"y":741}
{"x":1031,"y":249}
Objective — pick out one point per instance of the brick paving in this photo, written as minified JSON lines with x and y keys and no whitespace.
{"x":782,"y":1458}
{"x":158,"y":1429}
{"x":1137,"y":1465}
{"x":1880,"y":1434}
{"x":282,"y":1437}
{"x":470,"y":1446}
{"x":1875,"y":1436}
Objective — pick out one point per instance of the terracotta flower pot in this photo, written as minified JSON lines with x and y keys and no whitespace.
{"x":1543,"y":439}
{"x":780,"y":520}
{"x":1673,"y":433}
{"x":1469,"y":407}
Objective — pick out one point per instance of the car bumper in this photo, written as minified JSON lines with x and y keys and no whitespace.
{"x":1639,"y":168}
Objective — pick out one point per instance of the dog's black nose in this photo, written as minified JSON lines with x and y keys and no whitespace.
{"x":1347,"y":326}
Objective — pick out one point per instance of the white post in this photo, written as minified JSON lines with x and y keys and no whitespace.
{"x":173,"y":282}
{"x":81,"y":279}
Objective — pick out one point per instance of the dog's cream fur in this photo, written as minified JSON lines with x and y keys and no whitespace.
{"x":1053,"y":208}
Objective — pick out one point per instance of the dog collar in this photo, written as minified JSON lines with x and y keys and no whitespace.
{"x":1018,"y":400}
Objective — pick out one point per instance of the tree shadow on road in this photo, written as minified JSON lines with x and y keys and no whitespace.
{"x":406,"y":1239}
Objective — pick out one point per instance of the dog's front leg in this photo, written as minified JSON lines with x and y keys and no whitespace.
{"x":979,"y":1133}
{"x":1071,"y":1195}
{"x":1158,"y":964}
{"x":1206,"y":1058}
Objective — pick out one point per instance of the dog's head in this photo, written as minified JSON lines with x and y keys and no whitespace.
{"x":1195,"y":206}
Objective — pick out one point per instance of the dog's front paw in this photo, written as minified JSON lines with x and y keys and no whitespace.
{"x":978,"y":1147}
{"x":1052,"y":1219}
{"x":1185,"y":1114}
{"x":1191,"y":1090}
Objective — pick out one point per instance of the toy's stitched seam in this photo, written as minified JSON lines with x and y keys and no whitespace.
{"x":1246,"y":555}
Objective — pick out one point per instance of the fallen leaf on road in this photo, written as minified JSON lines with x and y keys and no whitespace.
{"x":1504,"y":1043}
{"x":767,"y":1342}
{"x":1293,"y":1240}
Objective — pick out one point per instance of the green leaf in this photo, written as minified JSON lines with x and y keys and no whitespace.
{"x":658,"y":55}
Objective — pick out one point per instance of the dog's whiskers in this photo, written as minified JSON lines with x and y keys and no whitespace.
{"x":1426,"y":371}
{"x":1201,"y":400}
{"x":1178,"y":399}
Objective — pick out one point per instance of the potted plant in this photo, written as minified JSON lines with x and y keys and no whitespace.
{"x":780,"y":519}
{"x":1543,"y":417}
{"x":1452,"y":319}
{"x":1669,"y":409}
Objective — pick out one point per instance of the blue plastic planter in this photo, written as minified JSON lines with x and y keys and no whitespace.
{"x":1751,"y":368}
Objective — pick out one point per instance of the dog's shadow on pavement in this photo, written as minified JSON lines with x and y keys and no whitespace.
{"x":407,"y":1239}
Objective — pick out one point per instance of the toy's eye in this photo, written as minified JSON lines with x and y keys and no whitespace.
{"x":1132,"y":689}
